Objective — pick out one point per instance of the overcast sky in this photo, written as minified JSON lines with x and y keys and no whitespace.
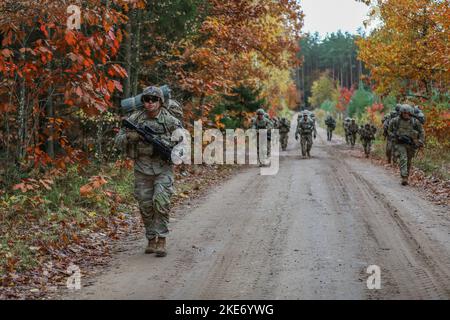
{"x":326,"y":16}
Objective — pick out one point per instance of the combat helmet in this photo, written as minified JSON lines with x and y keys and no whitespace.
{"x":260,"y":112}
{"x":153,"y":91}
{"x":405,"y":108}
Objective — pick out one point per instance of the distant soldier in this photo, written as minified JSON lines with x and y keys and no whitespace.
{"x":391,"y":155}
{"x":262,"y":121}
{"x":275,"y":122}
{"x":154,"y":176}
{"x":389,"y":144}
{"x":352,"y":131}
{"x":305,"y":130}
{"x":408,"y":135}
{"x":367,"y":135}
{"x":284,"y":127}
{"x":312,"y":115}
{"x":331,"y":125}
{"x":419,"y":115}
{"x":345,"y":124}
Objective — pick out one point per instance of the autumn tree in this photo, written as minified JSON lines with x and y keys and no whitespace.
{"x":49,"y":73}
{"x":408,"y":54}
{"x":322,"y":90}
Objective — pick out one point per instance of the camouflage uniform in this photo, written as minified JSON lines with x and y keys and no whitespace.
{"x":386,"y":120}
{"x":391,"y":153}
{"x":367,"y":135}
{"x":306,"y":129}
{"x":345,"y":124}
{"x":264,"y":123}
{"x":401,"y":130}
{"x":352,"y":130}
{"x":284,"y":127}
{"x":154,"y":177}
{"x":331,"y":125}
{"x":276,"y":123}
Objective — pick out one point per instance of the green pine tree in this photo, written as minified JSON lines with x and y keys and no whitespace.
{"x":242,"y":99}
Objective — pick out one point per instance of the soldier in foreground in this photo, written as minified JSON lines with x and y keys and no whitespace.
{"x":154,"y":176}
{"x":284,"y":127}
{"x":305,"y":130}
{"x":367,"y":135}
{"x":331,"y":125}
{"x":408,"y":136}
{"x":352,"y":131}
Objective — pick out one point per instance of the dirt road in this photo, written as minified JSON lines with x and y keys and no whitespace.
{"x":310,"y":232}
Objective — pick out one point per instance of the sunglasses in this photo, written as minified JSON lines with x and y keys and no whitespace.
{"x":151,"y":99}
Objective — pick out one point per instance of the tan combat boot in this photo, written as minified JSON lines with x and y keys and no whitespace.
{"x":151,"y":247}
{"x":161,"y":247}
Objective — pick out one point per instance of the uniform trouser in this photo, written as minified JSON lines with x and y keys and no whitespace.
{"x":269,"y":143}
{"x":405,"y":153}
{"x":284,"y":140}
{"x":346,"y":136}
{"x":153,"y":194}
{"x":389,"y":151}
{"x":306,"y":143}
{"x":352,"y":138}
{"x":329,"y":134}
{"x":367,"y":144}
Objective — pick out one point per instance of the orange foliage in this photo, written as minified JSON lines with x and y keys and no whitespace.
{"x":438,"y":124}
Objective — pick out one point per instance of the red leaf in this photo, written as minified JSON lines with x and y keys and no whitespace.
{"x":79,"y":92}
{"x":70,"y":38}
{"x":111,"y":86}
{"x":118,"y":86}
{"x":44,"y":30}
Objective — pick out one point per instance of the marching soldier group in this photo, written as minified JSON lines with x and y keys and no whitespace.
{"x":402,"y":130}
{"x":154,"y":110}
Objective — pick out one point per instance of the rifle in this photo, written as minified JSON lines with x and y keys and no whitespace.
{"x":407,"y":140}
{"x":150,"y":136}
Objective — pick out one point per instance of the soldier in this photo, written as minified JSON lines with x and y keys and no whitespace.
{"x":276,"y":122}
{"x":345,"y":124}
{"x":408,"y":135}
{"x":306,"y":129}
{"x":262,"y":121}
{"x":418,"y":114}
{"x":284,"y":127}
{"x":385,"y":121}
{"x":313,"y":117}
{"x":352,"y":130}
{"x":367,"y":135}
{"x":154,"y":177}
{"x":331,"y":125}
{"x":390,"y":150}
